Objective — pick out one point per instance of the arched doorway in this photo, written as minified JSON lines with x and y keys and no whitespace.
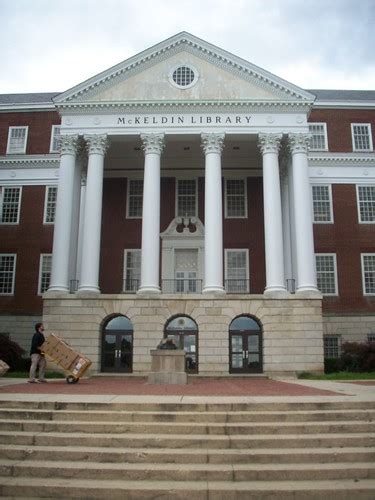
{"x":117,"y":345}
{"x":245,"y":346}
{"x":184,"y":333}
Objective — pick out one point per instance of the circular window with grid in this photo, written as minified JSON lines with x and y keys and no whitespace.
{"x":183,"y":76}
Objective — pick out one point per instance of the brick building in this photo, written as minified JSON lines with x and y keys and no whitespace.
{"x":186,"y":192}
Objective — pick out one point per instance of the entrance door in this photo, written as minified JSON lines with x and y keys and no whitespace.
{"x":184,"y":333}
{"x":245,"y":345}
{"x":117,"y":347}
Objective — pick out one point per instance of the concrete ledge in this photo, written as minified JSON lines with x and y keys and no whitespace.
{"x":167,"y":367}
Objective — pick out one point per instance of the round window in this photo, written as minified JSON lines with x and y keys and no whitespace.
{"x":183,"y":76}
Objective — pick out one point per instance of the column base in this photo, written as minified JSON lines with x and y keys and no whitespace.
{"x":145,"y":290}
{"x":217,"y":290}
{"x":308,"y":291}
{"x":58,"y":289}
{"x":88,"y":289}
{"x":276,"y":292}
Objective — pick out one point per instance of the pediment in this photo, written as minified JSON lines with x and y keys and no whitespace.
{"x":147,"y":78}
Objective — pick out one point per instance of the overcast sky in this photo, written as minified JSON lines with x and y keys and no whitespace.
{"x":52,"y":45}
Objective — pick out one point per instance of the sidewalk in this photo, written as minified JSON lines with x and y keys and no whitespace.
{"x":226,"y":389}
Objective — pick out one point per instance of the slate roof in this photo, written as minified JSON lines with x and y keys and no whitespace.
{"x":36,"y":98}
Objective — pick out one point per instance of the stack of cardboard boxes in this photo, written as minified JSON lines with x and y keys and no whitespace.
{"x":63,"y":355}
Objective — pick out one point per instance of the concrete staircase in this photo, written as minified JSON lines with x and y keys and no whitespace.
{"x":187,"y":451}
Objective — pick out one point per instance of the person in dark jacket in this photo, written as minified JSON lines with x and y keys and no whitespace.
{"x":38,"y":360}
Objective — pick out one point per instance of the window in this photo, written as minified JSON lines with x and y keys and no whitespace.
{"x":322,"y":203}
{"x":10,"y":200}
{"x":55,"y":138}
{"x":366,"y":203}
{"x":183,"y":77}
{"x":186,"y":198}
{"x":45,"y":267}
{"x":235,"y":198}
{"x":318,"y":133}
{"x":371,"y":337}
{"x":326,"y":275}
{"x":135,"y":198}
{"x":361,"y":137}
{"x":50,"y":205}
{"x":17,"y":139}
{"x":332,"y":346}
{"x":237,"y":271}
{"x":368,"y":273}
{"x":7,"y":273}
{"x":132,"y":270}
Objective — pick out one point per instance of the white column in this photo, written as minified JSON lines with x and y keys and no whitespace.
{"x":153,"y":145}
{"x":75,"y":219}
{"x":96,"y":146}
{"x":269,"y":144}
{"x":212,"y":145}
{"x":285,"y":204}
{"x":81,"y":220}
{"x":63,"y":217}
{"x":305,"y":257}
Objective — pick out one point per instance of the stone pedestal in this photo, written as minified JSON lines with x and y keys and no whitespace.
{"x":167,"y":367}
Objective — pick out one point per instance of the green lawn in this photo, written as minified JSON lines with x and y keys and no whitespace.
{"x":339,"y":376}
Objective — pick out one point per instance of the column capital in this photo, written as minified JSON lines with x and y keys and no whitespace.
{"x":96,"y":144}
{"x":269,"y":143}
{"x":212,"y":143}
{"x":299,"y":143}
{"x":152,"y":143}
{"x":68,"y":144}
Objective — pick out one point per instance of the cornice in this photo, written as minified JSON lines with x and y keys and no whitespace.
{"x":343,"y":104}
{"x":30,"y":161}
{"x":341,"y":158}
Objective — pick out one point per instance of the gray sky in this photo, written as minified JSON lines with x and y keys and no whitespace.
{"x":52,"y":45}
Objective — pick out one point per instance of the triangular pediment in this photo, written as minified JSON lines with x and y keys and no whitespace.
{"x":148,"y":77}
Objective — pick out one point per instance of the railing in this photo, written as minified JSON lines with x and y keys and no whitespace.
{"x":181,"y":286}
{"x":73,"y":286}
{"x":130,"y":286}
{"x":237,"y":286}
{"x":291,"y":285}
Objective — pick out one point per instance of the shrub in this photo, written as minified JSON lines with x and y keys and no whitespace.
{"x":331,"y":365}
{"x":358,"y":357}
{"x":11,"y":353}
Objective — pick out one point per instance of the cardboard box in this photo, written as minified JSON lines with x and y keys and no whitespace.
{"x":65,"y":356}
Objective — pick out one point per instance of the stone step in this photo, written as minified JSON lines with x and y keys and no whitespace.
{"x":187,"y":427}
{"x":189,"y":440}
{"x":188,"y":416}
{"x":187,"y":455}
{"x":343,"y":489}
{"x":186,"y":472}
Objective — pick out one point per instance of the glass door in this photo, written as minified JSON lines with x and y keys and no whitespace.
{"x":117,"y":352}
{"x":245,"y":353}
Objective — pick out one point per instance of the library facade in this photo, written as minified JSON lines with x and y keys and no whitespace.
{"x":186,"y":193}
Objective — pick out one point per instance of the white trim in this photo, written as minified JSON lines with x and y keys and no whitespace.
{"x":26,"y":127}
{"x":53,"y":129}
{"x":334,"y":270}
{"x":324,"y":125}
{"x":45,"y":205}
{"x":226,"y":216}
{"x":363,"y":273}
{"x":129,"y":180}
{"x":368,"y":125}
{"x":246,"y":250}
{"x":358,"y":205}
{"x":331,"y":218}
{"x":10,"y":186}
{"x":14,"y":272}
{"x":42,"y":255}
{"x":179,"y":179}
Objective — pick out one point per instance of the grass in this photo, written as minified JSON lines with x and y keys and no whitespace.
{"x":338,"y":376}
{"x":26,"y":375}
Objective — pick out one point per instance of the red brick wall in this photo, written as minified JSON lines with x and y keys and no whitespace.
{"x":339,"y":126}
{"x":28,"y":240}
{"x":348,"y":239}
{"x":39,"y":135}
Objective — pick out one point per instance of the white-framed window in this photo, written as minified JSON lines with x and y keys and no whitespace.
{"x":17,"y":140}
{"x":322,"y":203}
{"x":237,"y":270}
{"x":366,"y":204}
{"x":132,"y":270}
{"x":332,"y":346}
{"x":326,"y":273}
{"x":371,"y":337}
{"x":10,"y":202}
{"x":7,"y":273}
{"x":361,"y":137}
{"x":50,"y":205}
{"x":45,"y":267}
{"x":186,"y":198}
{"x":368,"y":273}
{"x":319,"y":141}
{"x":235,"y":198}
{"x":134,"y":204}
{"x":55,"y":137}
